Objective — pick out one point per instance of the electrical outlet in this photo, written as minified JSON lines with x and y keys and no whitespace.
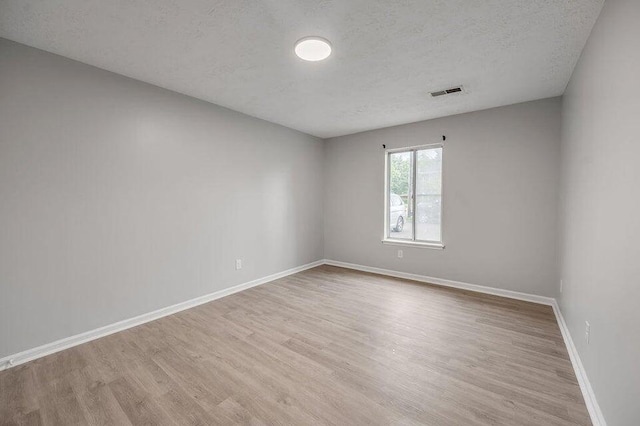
{"x":561,"y":283}
{"x":238,"y":264}
{"x":400,"y":254}
{"x":587,"y":331}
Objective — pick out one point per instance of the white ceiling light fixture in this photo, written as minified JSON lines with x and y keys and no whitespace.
{"x":313,"y":48}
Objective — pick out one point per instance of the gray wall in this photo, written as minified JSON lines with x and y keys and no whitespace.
{"x":119,"y":198}
{"x":501,"y":170}
{"x":600,"y":207}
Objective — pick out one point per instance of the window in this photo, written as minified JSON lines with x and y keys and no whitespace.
{"x":413,"y":196}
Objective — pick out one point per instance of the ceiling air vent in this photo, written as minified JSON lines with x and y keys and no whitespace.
{"x":446,"y":91}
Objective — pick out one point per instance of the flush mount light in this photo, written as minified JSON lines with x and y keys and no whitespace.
{"x":313,"y":48}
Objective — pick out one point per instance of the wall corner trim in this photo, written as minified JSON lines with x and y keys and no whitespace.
{"x":78,"y":339}
{"x":597,"y":418}
{"x":447,"y":283}
{"x":585,"y":386}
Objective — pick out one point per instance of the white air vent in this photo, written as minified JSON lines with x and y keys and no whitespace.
{"x":450,"y":91}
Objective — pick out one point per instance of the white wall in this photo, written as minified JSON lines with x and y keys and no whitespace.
{"x":601,"y":210}
{"x":501,"y":170}
{"x":118,"y":198}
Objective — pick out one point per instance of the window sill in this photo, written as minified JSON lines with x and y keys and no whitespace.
{"x":437,"y":246}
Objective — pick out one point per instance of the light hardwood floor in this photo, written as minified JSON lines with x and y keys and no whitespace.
{"x":325,"y":346}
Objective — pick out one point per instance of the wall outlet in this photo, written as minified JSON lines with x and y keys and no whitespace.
{"x":561,"y":283}
{"x":238,"y":264}
{"x":587,"y":331}
{"x":400,"y":254}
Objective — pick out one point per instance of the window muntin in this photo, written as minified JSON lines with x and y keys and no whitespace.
{"x":413,"y":210}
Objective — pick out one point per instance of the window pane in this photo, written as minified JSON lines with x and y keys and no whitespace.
{"x":400,"y":175}
{"x":429,"y":194}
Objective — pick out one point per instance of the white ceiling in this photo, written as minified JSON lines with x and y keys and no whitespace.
{"x":388,"y":54}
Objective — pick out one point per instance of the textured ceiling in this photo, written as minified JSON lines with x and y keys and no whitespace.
{"x":388,"y":54}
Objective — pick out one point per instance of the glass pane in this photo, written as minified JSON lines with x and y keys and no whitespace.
{"x":429,"y":194}
{"x":400,"y":175}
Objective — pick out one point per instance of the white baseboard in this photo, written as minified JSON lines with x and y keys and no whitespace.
{"x":78,"y":339}
{"x":447,"y":283}
{"x":589,"y":397}
{"x":587,"y":392}
{"x":585,"y":386}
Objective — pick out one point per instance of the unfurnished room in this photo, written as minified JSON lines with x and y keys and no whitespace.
{"x":320,"y":212}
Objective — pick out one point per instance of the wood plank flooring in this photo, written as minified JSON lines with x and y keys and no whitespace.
{"x":325,"y":346}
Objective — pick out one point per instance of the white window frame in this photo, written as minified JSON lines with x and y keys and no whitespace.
{"x":386,"y":239}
